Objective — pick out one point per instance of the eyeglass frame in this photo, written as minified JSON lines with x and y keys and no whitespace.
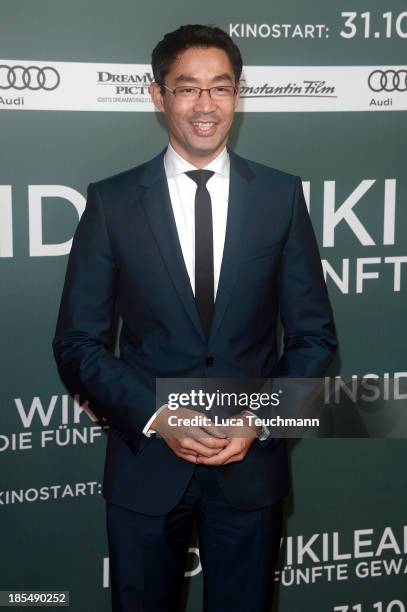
{"x":201,"y":89}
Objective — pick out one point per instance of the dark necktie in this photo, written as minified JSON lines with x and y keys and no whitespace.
{"x":204,"y":287}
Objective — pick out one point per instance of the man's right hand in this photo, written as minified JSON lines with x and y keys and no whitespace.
{"x":188,"y":441}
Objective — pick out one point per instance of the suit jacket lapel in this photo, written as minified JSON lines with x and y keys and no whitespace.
{"x":157,"y":206}
{"x":238,"y":206}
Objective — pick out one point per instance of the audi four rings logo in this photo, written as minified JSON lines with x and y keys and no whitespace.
{"x":388,"y":80}
{"x":28,"y":77}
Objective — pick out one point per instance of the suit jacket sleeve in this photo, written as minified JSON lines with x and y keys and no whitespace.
{"x":305,"y":310}
{"x":81,"y":344}
{"x":309,"y":332}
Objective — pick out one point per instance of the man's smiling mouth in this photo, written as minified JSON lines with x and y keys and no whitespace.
{"x":204,"y":127}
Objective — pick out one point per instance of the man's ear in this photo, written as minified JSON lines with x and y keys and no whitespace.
{"x":156,"y":96}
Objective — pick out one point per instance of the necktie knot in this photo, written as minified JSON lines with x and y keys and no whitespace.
{"x":200,"y":177}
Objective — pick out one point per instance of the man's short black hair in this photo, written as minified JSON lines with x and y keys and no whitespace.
{"x":188,"y":37}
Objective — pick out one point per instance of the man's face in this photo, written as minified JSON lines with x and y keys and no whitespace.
{"x":198,"y":129}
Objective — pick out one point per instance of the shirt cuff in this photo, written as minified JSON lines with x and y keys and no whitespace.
{"x":147,"y":431}
{"x":265,"y":432}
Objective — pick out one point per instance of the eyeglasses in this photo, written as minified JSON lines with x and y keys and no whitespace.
{"x":217,"y":92}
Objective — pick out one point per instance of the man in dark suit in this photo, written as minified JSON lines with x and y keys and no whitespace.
{"x":199,"y":250}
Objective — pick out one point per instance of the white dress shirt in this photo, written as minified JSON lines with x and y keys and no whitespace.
{"x":182,"y":193}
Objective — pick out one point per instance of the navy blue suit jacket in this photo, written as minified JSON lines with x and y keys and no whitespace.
{"x":126,"y":255}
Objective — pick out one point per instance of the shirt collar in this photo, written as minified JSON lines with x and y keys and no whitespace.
{"x":175,"y":164}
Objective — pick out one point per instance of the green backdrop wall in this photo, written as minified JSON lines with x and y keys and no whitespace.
{"x":64,"y":123}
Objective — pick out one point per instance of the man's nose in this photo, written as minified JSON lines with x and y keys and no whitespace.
{"x":204,"y":102}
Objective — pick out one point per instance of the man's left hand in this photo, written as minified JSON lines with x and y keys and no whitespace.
{"x":240,"y":441}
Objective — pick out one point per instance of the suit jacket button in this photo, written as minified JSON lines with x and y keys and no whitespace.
{"x":209,"y":360}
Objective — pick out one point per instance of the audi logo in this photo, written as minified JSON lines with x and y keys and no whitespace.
{"x":28,"y":77}
{"x":388,"y":80}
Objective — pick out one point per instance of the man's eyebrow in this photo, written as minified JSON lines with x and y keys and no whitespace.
{"x":185,"y":78}
{"x":223,"y":77}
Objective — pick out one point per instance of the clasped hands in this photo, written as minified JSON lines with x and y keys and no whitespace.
{"x":206,"y":443}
